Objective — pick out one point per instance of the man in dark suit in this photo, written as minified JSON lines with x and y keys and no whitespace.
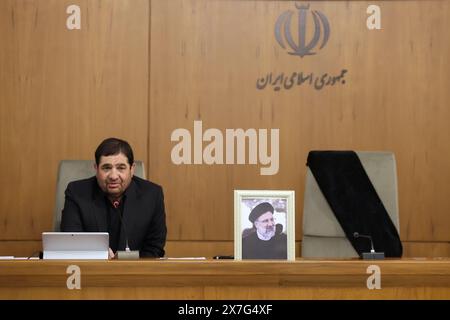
{"x":265,"y":240}
{"x":115,"y":201}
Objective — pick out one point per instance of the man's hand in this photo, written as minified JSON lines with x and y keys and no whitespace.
{"x":111,"y":254}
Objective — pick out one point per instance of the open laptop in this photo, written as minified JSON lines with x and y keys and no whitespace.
{"x":75,"y":245}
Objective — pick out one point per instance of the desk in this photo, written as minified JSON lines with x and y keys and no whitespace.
{"x":213,"y":279}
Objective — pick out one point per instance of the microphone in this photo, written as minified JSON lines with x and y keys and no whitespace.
{"x":372,"y":255}
{"x":127,"y":254}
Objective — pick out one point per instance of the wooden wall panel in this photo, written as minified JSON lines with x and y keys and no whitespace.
{"x":206,"y":57}
{"x":61,"y":93}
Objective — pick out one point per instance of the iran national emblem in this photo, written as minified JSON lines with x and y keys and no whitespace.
{"x":302,"y":47}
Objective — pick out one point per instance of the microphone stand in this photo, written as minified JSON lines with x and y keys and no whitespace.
{"x":372,"y":255}
{"x":127,"y":254}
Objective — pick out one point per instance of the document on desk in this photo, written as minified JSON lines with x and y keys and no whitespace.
{"x":183,"y":258}
{"x":18,"y":258}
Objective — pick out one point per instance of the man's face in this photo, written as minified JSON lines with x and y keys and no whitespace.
{"x":265,"y":224}
{"x":114,"y":174}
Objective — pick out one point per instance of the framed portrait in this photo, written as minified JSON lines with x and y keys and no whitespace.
{"x":264,"y":224}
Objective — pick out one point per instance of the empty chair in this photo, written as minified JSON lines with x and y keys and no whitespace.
{"x":323,"y":236}
{"x":71,"y":170}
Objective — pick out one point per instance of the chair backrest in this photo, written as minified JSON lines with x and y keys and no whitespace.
{"x":323,"y":236}
{"x":71,"y":170}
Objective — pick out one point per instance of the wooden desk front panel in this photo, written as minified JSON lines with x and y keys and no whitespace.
{"x":150,"y":279}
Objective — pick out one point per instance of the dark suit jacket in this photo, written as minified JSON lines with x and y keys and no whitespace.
{"x":254,"y":248}
{"x":85,"y":210}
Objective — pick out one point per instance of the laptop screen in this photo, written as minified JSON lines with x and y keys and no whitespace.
{"x":75,"y":245}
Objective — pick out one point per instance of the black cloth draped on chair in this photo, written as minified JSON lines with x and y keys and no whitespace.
{"x":354,"y":201}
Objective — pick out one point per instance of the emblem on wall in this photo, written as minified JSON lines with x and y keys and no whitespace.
{"x":301,"y":47}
